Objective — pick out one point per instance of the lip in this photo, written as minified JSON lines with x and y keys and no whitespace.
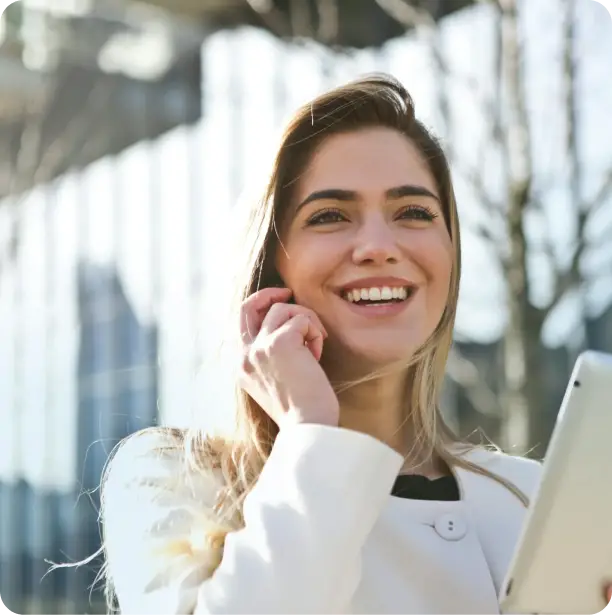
{"x":385,"y":310}
{"x":377,"y":282}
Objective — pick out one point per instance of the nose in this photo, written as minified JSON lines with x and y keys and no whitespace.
{"x":376,"y":243}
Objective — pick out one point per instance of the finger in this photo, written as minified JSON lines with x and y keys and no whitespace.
{"x":255,"y":308}
{"x":315,"y":346}
{"x":308,"y":333}
{"x":280,"y":313}
{"x":609,"y":594}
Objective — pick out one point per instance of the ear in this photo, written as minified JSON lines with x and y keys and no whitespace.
{"x":278,"y":280}
{"x":280,"y":283}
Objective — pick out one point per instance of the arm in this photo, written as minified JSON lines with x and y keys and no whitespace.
{"x":306,"y":521}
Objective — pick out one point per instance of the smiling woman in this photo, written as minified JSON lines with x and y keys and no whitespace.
{"x":369,"y":218}
{"x":341,"y":490}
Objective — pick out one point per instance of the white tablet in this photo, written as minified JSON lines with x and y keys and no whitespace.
{"x":564,"y":555}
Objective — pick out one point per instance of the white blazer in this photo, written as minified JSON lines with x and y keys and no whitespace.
{"x":322,"y":533}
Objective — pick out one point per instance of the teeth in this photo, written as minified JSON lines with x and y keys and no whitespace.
{"x":385,"y":293}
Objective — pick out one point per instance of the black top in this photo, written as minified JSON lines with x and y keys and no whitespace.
{"x":416,"y":487}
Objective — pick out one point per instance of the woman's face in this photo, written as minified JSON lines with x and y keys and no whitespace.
{"x":366,"y":245}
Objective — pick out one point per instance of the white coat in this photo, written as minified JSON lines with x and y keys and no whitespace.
{"x":322,"y":533}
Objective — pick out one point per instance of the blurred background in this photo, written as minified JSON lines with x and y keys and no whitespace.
{"x":129,"y":130}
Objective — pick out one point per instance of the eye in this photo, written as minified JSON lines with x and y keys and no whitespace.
{"x":326,"y":216}
{"x":418,"y":212}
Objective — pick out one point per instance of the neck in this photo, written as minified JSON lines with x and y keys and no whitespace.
{"x":381,"y":408}
{"x":378,"y":408}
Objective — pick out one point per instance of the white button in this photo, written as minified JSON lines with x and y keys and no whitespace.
{"x":451,"y":527}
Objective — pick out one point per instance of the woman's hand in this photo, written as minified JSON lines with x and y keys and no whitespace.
{"x":282,"y":346}
{"x":608,"y":593}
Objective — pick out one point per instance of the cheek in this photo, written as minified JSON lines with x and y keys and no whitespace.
{"x":444,"y":263}
{"x":434,"y":254}
{"x":307,"y":265}
{"x":303,"y":274}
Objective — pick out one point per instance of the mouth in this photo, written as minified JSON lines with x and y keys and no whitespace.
{"x":378,"y":296}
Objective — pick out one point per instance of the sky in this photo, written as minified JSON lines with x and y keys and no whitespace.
{"x":172,"y":203}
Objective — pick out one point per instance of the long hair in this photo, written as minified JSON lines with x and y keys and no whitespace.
{"x":373,"y":101}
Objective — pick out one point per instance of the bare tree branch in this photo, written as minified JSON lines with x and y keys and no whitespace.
{"x":410,"y":17}
{"x":547,"y":247}
{"x":517,"y":149}
{"x":476,"y":180}
{"x":517,"y":135}
{"x":519,"y":175}
{"x":570,"y":70}
{"x":604,"y":237}
{"x":600,"y":199}
{"x":484,"y":232}
{"x":570,"y":278}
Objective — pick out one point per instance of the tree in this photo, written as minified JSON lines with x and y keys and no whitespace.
{"x":514,"y":212}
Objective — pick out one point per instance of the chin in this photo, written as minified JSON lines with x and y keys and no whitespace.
{"x":383,"y":356}
{"x":367,"y":355}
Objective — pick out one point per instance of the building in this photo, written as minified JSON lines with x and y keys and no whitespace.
{"x":116,"y":375}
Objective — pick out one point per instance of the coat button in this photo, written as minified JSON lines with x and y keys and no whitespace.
{"x":451,"y":527}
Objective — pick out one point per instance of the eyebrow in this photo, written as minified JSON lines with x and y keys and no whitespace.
{"x":338,"y":194}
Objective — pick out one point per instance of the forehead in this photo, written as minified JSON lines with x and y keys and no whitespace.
{"x":366,"y":161}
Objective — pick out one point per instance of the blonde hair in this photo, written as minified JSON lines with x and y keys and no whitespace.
{"x":374,"y":101}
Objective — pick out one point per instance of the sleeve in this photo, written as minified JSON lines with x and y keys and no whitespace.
{"x":305,"y":523}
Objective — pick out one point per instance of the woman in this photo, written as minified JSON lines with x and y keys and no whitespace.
{"x":342,"y":489}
